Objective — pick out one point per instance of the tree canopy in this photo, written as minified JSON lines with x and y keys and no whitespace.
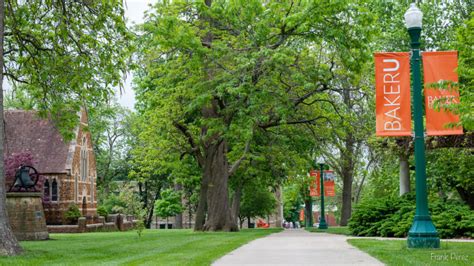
{"x":61,"y":55}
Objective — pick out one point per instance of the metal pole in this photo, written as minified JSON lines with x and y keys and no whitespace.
{"x":322,"y":221}
{"x":422,"y":233}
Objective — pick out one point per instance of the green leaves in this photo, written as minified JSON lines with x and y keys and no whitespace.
{"x":169,"y":204}
{"x":65,"y":55}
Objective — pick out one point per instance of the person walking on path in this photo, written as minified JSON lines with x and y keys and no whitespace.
{"x":298,"y":247}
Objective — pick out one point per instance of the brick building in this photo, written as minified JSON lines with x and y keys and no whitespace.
{"x":69,"y":167}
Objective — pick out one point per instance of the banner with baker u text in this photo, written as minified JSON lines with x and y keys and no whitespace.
{"x":392,"y":94}
{"x":439,"y":68}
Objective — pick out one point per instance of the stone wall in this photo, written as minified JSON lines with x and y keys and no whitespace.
{"x":112,"y":223}
{"x":26,"y":215}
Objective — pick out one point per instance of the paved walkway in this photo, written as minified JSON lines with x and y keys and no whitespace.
{"x":298,"y":247}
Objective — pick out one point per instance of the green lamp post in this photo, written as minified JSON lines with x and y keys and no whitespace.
{"x":322,"y":220}
{"x":422,"y":233}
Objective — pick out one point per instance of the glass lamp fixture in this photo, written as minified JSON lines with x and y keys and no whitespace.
{"x":413,"y":17}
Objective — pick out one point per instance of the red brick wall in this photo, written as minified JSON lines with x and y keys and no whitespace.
{"x":70,"y":192}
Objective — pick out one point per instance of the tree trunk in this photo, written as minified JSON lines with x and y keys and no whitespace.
{"x":178,"y":219}
{"x":347,"y":178}
{"x":9,"y":246}
{"x":202,"y":205}
{"x":346,"y":196}
{"x":279,"y":212}
{"x":404,"y":174}
{"x":467,"y":196}
{"x":308,"y":218}
{"x":359,"y":189}
{"x":248,"y":222}
{"x":217,"y":169}
{"x":236,"y":203}
{"x":151,"y":210}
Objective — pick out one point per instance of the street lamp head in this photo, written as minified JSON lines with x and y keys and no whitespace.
{"x":319,"y":160}
{"x":413,"y":17}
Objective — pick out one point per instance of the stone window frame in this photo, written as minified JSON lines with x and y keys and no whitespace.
{"x":51,"y":180}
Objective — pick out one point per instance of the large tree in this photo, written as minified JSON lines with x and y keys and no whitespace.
{"x":63,"y":54}
{"x":215,"y":73}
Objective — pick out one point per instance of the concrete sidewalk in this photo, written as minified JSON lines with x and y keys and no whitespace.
{"x":298,"y":247}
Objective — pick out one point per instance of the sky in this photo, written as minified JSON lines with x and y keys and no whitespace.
{"x":134,"y":11}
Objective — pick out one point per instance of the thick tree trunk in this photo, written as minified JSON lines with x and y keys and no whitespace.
{"x":178,"y":219}
{"x":9,"y":246}
{"x":217,"y":169}
{"x":346,"y":196}
{"x":404,"y":174}
{"x":347,"y":178}
{"x":236,"y":203}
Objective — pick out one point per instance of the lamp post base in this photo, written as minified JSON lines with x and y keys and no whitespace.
{"x":423,"y":233}
{"x":323,"y":225}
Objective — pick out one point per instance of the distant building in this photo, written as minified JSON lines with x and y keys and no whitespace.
{"x":69,"y":167}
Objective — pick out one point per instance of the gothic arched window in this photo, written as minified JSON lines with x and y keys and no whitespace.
{"x":84,"y":160}
{"x":54,"y":190}
{"x":46,"y":190}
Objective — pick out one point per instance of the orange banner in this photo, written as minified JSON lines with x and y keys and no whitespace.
{"x":440,"y":66}
{"x":314,"y":187}
{"x":392,"y":94}
{"x":302,"y":215}
{"x":329,"y":185}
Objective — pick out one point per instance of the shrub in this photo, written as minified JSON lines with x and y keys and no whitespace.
{"x":453,"y":219}
{"x":12,"y":164}
{"x":393,"y":216}
{"x":102,"y":211}
{"x":72,"y":214}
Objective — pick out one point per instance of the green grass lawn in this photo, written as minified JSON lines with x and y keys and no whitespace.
{"x":155,"y":247}
{"x":339,"y":230}
{"x":395,"y":252}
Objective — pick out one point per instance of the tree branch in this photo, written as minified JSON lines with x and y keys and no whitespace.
{"x":295,"y":122}
{"x":195,"y":148}
{"x":15,"y":78}
{"x":236,"y":165}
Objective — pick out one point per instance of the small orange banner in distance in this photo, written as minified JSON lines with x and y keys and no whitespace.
{"x":440,"y":66}
{"x":329,"y":185}
{"x":314,"y":189}
{"x":392,"y":90}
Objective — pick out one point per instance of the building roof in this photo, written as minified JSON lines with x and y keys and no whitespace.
{"x":26,"y":132}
